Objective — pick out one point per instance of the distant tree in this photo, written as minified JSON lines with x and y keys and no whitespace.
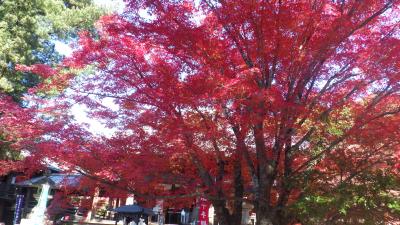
{"x":28,"y":29}
{"x":291,"y":106}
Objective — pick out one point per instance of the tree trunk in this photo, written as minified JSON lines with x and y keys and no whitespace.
{"x":222,"y":213}
{"x":269,"y":217}
{"x":239,"y":191}
{"x":261,"y":220}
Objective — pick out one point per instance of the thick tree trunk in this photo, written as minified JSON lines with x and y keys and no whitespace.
{"x":272,"y":216}
{"x":239,"y":191}
{"x":223,"y":215}
{"x":264,"y":220}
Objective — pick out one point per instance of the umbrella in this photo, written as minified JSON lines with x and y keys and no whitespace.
{"x":133,"y":209}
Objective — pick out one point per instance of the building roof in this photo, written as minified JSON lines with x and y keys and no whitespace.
{"x":55,"y":180}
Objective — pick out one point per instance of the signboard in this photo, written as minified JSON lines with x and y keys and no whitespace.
{"x":204,"y":205}
{"x":18,"y":209}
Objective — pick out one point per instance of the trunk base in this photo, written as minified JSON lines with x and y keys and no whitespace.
{"x":264,"y":221}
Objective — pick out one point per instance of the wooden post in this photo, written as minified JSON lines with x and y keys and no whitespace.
{"x":1,"y":211}
{"x":92,"y":210}
{"x":27,"y":201}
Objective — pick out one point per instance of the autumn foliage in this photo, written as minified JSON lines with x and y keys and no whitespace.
{"x":291,"y":106}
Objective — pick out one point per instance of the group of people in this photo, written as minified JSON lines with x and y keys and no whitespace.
{"x":131,"y":221}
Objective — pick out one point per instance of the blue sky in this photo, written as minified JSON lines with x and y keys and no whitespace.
{"x":111,"y":5}
{"x":116,"y":5}
{"x":78,"y":110}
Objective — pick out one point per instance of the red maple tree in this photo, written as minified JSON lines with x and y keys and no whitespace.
{"x":16,"y":123}
{"x":291,"y":106}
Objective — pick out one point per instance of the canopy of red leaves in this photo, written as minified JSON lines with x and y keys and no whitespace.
{"x":249,"y":100}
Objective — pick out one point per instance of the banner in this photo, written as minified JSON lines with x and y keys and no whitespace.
{"x":18,"y":209}
{"x":204,"y":205}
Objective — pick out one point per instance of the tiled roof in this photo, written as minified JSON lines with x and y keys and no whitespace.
{"x":55,"y":180}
